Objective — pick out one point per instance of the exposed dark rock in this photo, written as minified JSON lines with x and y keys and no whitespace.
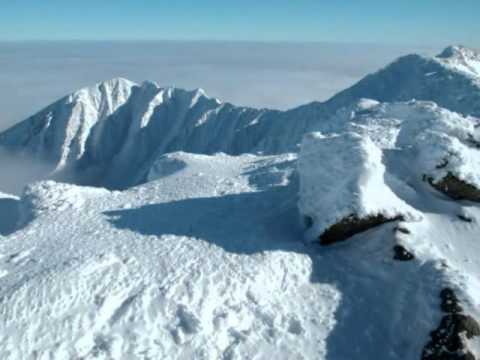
{"x":450,"y":303}
{"x":443,"y":164}
{"x":402,"y":230}
{"x":308,"y":221}
{"x":402,"y":254}
{"x":456,"y":188}
{"x":352,"y":225}
{"x":465,"y":218}
{"x":457,"y":323}
{"x":472,"y":141}
{"x":447,"y":341}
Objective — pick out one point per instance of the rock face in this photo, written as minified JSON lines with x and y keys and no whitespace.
{"x":402,"y":254}
{"x":456,"y":189}
{"x":351,"y":226}
{"x":450,"y":303}
{"x":402,"y":230}
{"x":448,"y":340}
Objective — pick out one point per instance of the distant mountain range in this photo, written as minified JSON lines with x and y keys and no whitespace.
{"x":110,"y":134}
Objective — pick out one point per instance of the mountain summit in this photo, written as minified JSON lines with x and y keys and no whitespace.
{"x":451,"y":79}
{"x":461,"y":59}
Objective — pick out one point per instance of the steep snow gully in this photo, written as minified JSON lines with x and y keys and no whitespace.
{"x":174,"y":226}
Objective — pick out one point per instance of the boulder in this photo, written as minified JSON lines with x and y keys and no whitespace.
{"x":351,"y":226}
{"x":448,"y":340}
{"x":456,"y":188}
{"x":402,"y":254}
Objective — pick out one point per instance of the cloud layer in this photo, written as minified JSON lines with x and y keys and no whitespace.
{"x":282,"y":76}
{"x":254,"y":74}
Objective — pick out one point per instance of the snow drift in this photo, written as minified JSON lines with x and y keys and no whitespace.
{"x":374,"y":153}
{"x":342,"y":176}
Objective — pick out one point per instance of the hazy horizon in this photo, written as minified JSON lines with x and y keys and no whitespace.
{"x":273,"y":75}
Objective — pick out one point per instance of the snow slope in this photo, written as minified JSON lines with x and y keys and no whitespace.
{"x":175,"y":268}
{"x":451,"y":79}
{"x":206,"y":261}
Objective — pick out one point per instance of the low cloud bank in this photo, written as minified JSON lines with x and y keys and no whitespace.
{"x":273,"y":75}
{"x":16,"y":171}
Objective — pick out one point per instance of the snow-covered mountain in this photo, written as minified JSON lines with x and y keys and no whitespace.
{"x":451,"y":79}
{"x":111,"y":133}
{"x":216,"y":253}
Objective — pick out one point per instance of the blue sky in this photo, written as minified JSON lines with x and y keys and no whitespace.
{"x":375,"y":21}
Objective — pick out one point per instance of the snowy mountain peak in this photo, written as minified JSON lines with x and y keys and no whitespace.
{"x":458,"y":51}
{"x":461,"y":59}
{"x":451,"y":79}
{"x":111,"y":86}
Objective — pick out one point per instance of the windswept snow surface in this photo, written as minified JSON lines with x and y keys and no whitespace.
{"x":175,"y":268}
{"x":206,"y":261}
{"x":368,"y":159}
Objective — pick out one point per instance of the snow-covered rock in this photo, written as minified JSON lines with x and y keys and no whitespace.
{"x":375,"y":152}
{"x":342,"y":176}
{"x":441,"y":142}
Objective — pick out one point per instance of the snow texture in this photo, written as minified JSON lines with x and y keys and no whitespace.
{"x":343,"y":176}
{"x":374,"y":151}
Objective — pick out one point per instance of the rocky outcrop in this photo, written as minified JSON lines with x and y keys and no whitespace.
{"x":450,"y":303}
{"x":352,"y":225}
{"x":448,"y":340}
{"x":465,"y":218}
{"x":402,"y":230}
{"x":402,"y":254}
{"x":456,"y":188}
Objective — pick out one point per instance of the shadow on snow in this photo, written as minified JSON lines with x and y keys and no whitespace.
{"x":377,"y":294}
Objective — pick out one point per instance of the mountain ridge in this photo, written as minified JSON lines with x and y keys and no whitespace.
{"x":106,"y":134}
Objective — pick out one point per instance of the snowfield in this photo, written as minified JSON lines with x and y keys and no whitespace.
{"x":178,"y":229}
{"x":175,"y":268}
